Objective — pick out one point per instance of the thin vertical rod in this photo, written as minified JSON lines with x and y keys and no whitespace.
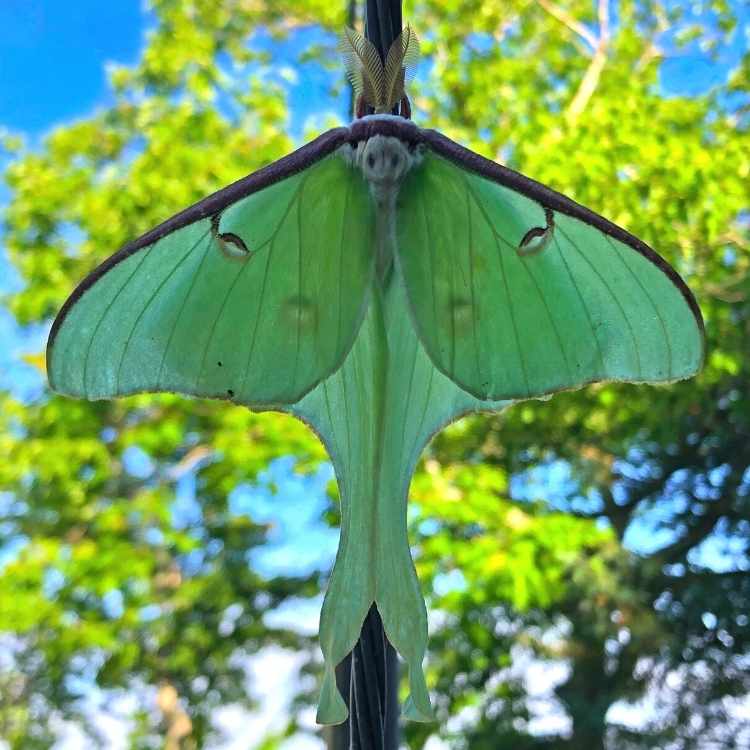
{"x":368,"y":679}
{"x":383,"y":23}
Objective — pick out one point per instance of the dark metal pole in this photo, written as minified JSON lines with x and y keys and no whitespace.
{"x":374,"y":689}
{"x":368,"y":680}
{"x":368,"y":677}
{"x":383,"y":23}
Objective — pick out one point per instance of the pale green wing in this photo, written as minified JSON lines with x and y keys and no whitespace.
{"x":255,"y":302}
{"x":517,"y":291}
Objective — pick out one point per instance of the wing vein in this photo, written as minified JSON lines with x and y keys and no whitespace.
{"x":408,"y":394}
{"x":428,"y":233}
{"x":426,"y":402}
{"x":543,"y":300}
{"x":261,"y":296}
{"x":104,"y":314}
{"x":453,"y":302}
{"x":156,"y":291}
{"x":513,"y":317}
{"x":217,"y":317}
{"x":185,"y":298}
{"x":340,"y":321}
{"x":613,"y":296}
{"x":511,"y":311}
{"x":583,"y":305}
{"x":346,"y":407}
{"x":334,"y":433}
{"x":474,"y":309}
{"x":651,"y":302}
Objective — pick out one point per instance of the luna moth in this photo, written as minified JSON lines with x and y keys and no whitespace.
{"x":378,"y":283}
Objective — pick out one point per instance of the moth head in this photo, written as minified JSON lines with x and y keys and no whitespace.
{"x":385,"y":160}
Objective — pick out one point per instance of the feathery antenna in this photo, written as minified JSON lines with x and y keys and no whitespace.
{"x":400,"y":65}
{"x":363,"y":66}
{"x":381,"y":87}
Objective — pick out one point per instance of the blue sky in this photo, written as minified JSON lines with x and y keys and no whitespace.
{"x":54,"y":53}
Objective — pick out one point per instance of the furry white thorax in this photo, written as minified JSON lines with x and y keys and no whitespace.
{"x":384,"y":161}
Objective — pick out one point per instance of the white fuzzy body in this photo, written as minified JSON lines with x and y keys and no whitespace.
{"x":384,"y":161}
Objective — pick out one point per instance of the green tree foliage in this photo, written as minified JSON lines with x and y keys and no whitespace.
{"x":110,"y":587}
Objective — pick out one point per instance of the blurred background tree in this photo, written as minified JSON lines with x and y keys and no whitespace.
{"x":585,"y":559}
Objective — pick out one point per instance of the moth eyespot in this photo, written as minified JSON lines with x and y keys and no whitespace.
{"x":534,"y":241}
{"x":462,"y":312}
{"x":371,"y":161}
{"x":537,"y":238}
{"x":299,"y":310}
{"x":395,"y":160}
{"x":233,"y":246}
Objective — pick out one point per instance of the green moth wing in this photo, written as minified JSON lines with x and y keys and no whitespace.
{"x":377,"y":311}
{"x":517,"y":291}
{"x":254,"y":295}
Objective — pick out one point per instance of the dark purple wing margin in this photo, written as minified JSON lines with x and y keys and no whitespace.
{"x":549,"y":198}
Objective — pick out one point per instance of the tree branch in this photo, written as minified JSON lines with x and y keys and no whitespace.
{"x":566,"y":19}
{"x":591,"y":79}
{"x":178,"y":723}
